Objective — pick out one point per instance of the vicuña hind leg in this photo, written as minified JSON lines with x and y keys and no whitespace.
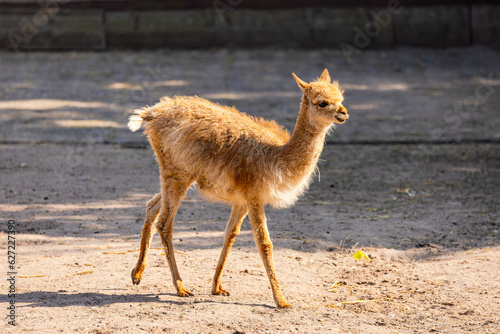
{"x":263,"y":241}
{"x":238,"y":213}
{"x":173,"y":191}
{"x":153,"y":208}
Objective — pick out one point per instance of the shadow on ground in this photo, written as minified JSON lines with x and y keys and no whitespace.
{"x":392,"y":196}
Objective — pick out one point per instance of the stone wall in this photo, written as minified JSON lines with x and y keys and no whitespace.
{"x":354,"y":25}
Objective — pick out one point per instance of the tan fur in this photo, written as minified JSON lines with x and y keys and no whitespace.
{"x":233,"y":158}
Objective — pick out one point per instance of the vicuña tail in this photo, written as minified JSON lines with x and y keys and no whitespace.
{"x":140,"y":117}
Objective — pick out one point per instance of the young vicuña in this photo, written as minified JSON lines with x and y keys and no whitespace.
{"x":234,"y":158}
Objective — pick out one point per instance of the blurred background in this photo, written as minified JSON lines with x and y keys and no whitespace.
{"x":137,"y":24}
{"x":389,"y":55}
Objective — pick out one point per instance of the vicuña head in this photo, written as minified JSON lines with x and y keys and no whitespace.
{"x":323,"y":99}
{"x":233,"y":158}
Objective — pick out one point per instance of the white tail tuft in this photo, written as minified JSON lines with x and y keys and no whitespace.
{"x":135,"y":122}
{"x":140,"y":117}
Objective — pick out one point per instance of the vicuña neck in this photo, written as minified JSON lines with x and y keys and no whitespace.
{"x":300,"y":155}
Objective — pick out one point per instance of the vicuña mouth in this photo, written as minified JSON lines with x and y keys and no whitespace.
{"x":341,"y":119}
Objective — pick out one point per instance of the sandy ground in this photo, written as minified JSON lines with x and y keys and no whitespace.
{"x":426,"y":215}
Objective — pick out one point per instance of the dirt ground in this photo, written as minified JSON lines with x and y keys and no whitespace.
{"x":76,"y":182}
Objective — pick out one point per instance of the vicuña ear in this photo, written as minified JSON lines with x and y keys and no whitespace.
{"x":325,"y":76}
{"x":302,"y":84}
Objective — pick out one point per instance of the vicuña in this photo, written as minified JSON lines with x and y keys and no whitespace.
{"x":234,"y":158}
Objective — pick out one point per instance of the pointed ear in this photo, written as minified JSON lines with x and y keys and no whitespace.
{"x":325,"y":76}
{"x":302,"y":84}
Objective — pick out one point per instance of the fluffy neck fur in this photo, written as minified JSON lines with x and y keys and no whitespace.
{"x":298,"y":158}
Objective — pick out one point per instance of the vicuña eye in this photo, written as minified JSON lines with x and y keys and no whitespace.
{"x":322,"y":104}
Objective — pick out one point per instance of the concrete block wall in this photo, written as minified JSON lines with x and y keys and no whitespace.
{"x":433,"y":26}
{"x":485,"y":24}
{"x":25,"y":29}
{"x":309,"y":27}
{"x":103,"y":25}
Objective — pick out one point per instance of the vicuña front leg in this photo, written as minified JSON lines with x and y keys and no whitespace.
{"x":172,"y":195}
{"x":153,"y":208}
{"x":238,"y":213}
{"x":263,"y":241}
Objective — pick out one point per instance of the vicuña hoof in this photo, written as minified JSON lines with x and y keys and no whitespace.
{"x":184,"y":293}
{"x":221,"y":292}
{"x":284,"y":305}
{"x":135,"y":281}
